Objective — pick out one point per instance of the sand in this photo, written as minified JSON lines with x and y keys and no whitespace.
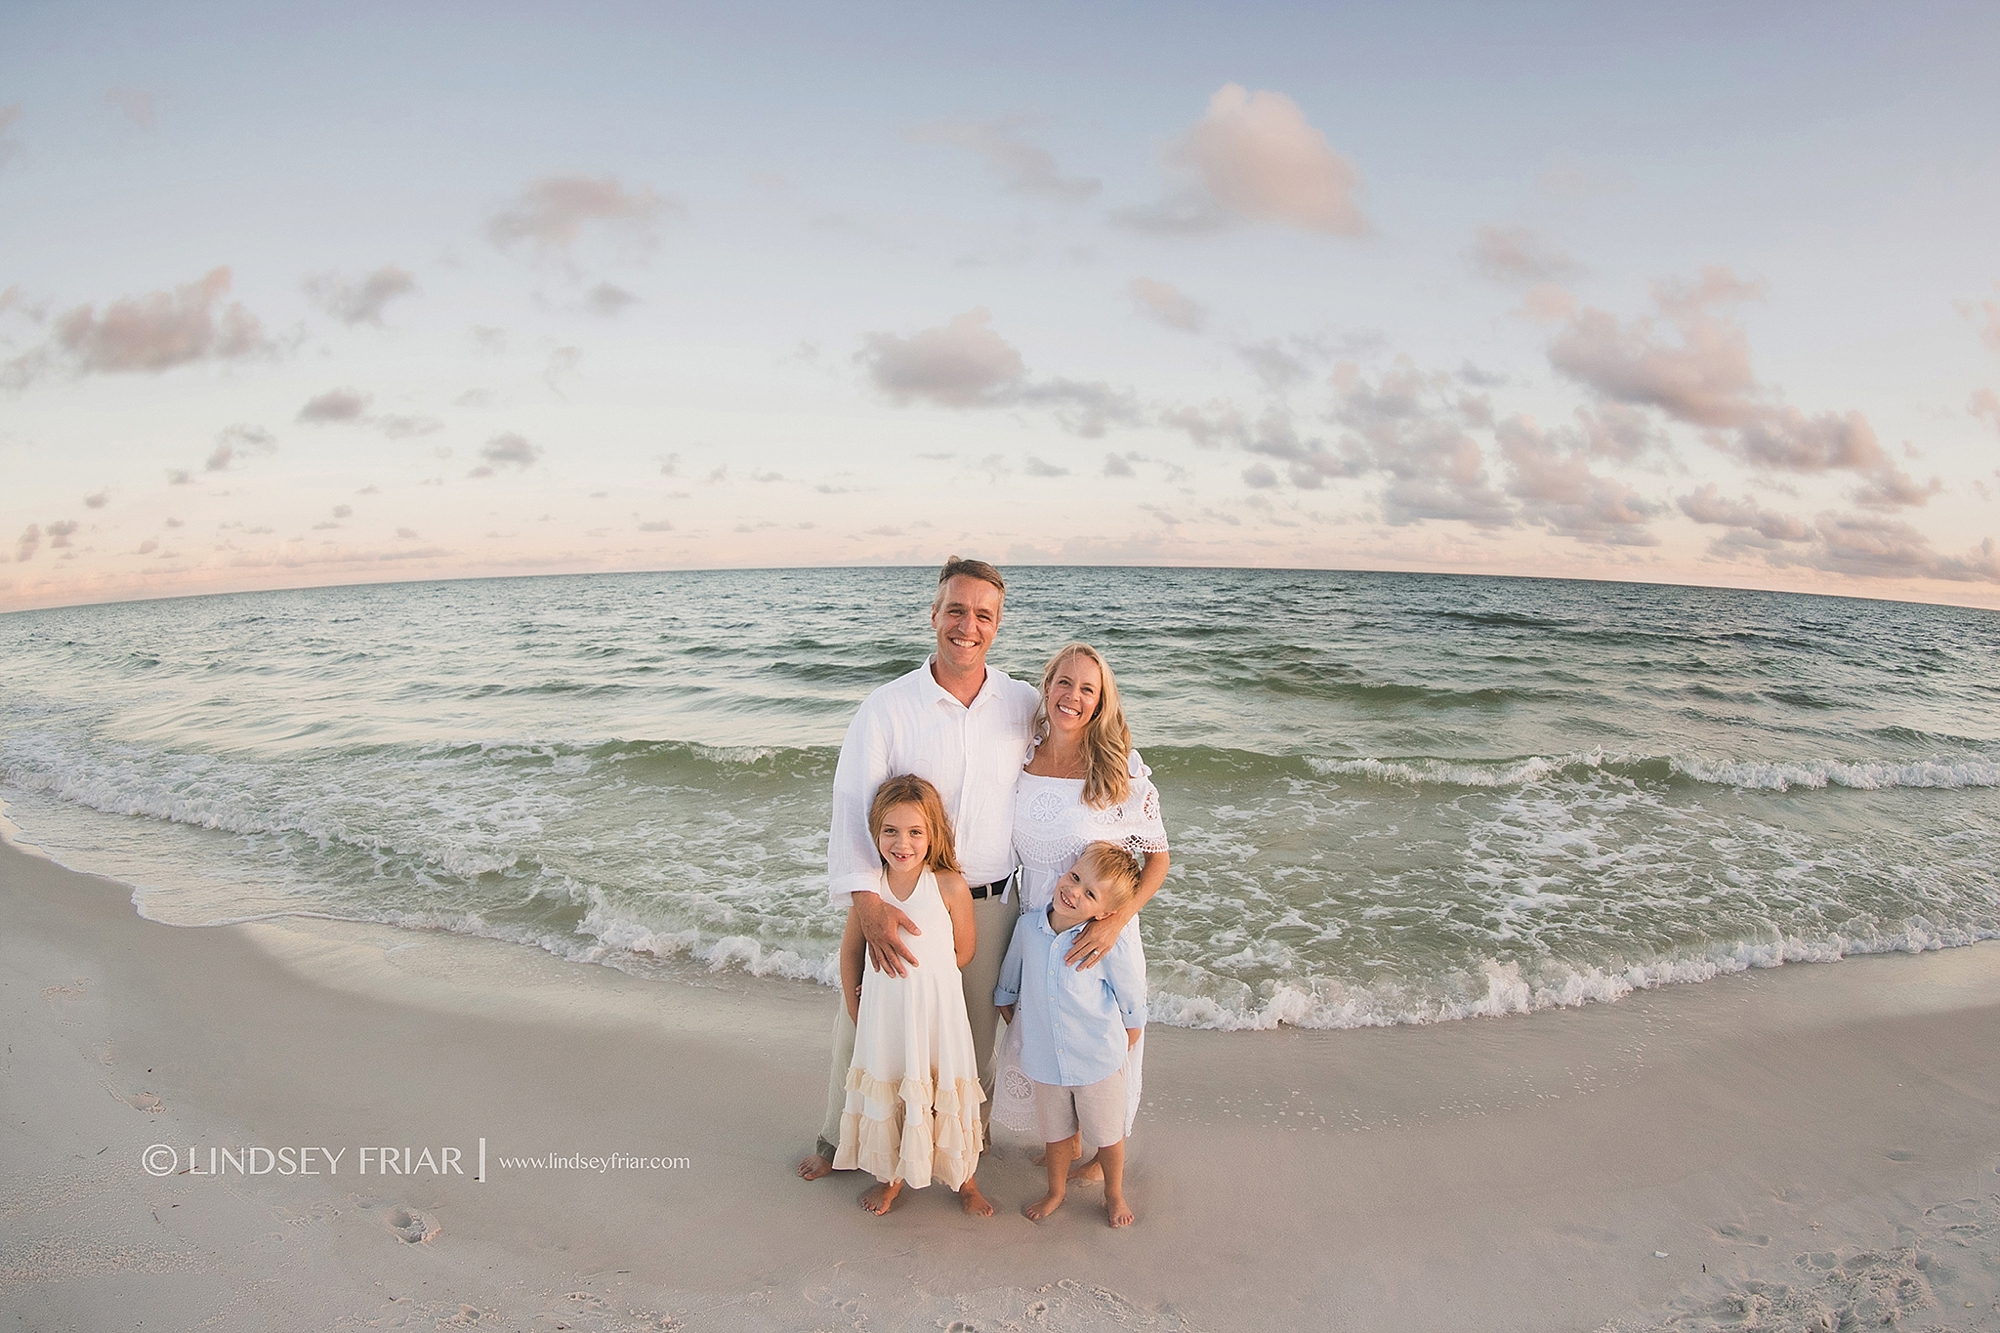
{"x":1807,"y":1147}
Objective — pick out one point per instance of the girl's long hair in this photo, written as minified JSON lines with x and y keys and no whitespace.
{"x":909,"y":789}
{"x":1107,"y":741}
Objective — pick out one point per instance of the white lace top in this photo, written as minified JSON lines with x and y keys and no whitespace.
{"x":1052,"y":826}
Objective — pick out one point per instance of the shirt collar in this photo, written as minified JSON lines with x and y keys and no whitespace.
{"x":995,"y":677}
{"x":1049,"y":929}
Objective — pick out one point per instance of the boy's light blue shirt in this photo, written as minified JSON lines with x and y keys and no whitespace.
{"x":1073,"y":1019}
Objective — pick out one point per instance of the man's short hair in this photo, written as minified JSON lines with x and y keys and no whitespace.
{"x":957,"y":567}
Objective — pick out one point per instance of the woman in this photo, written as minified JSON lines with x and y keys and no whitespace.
{"x":1082,"y":783}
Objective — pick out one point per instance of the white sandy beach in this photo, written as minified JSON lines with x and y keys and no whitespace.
{"x":1810,"y":1147}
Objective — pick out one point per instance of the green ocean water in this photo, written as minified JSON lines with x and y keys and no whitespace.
{"x":1392,"y":798}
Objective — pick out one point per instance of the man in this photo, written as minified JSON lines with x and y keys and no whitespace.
{"x":963,"y":727}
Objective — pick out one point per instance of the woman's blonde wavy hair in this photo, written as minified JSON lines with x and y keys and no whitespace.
{"x":1107,"y":741}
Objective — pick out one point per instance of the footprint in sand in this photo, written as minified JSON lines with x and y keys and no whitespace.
{"x":1900,"y":1155}
{"x":1736,"y":1235}
{"x":411,"y":1227}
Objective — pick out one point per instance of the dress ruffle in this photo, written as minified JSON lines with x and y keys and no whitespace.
{"x":912,"y":1130}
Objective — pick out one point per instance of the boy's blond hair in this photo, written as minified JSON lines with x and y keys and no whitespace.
{"x":1112,"y":869}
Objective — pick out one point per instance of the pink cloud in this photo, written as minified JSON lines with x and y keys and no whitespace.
{"x":1159,"y":301}
{"x":1554,"y":481}
{"x":1512,"y":254}
{"x":1704,"y":378}
{"x":552,"y":211}
{"x":960,"y":364}
{"x":1985,"y":404}
{"x":160,"y":330}
{"x":1254,"y":157}
{"x":1022,"y":167}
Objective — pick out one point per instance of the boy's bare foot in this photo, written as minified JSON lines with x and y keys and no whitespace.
{"x":1117,"y":1210}
{"x":1090,"y":1173}
{"x":815,"y":1166}
{"x":879,"y":1199}
{"x":972,"y":1201}
{"x":1043,"y":1206}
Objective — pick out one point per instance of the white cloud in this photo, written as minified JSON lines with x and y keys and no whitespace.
{"x":405,"y":426}
{"x":562,"y":361}
{"x":343,"y":404}
{"x":234,"y":443}
{"x":97,"y":499}
{"x":508,"y":450}
{"x":360,"y":300}
{"x":607,"y":299}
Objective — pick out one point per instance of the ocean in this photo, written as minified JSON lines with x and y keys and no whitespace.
{"x":1392,"y":798}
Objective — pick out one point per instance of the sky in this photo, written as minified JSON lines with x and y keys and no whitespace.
{"x":1698,"y":294}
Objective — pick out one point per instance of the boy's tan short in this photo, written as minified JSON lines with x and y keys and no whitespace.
{"x":1097,"y":1108}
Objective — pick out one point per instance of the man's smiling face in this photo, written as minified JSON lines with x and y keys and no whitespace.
{"x":966,"y":618}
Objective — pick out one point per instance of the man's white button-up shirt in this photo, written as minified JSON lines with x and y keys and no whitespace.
{"x":971,"y":753}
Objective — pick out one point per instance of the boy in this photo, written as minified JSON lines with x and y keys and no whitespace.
{"x":1078,"y":1023}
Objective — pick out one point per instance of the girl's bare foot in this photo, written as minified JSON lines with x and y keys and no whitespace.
{"x":815,"y":1166}
{"x":1117,"y":1210}
{"x":972,"y":1201}
{"x":1043,"y":1206}
{"x":879,"y":1199}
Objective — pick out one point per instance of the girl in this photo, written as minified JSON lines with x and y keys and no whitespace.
{"x":913,"y":1090}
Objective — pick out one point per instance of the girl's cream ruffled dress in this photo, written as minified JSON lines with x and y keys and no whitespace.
{"x":913,"y":1090}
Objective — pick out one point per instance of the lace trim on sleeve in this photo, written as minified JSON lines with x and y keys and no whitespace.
{"x":1136,"y":824}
